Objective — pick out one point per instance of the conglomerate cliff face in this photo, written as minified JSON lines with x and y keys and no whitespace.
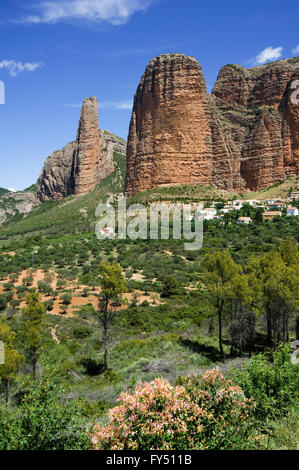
{"x":242,"y":136}
{"x":82,"y":164}
{"x":170,"y":138}
{"x":90,"y":165}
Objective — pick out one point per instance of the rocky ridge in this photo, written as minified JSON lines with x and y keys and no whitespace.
{"x":82,"y":164}
{"x":244,"y":136}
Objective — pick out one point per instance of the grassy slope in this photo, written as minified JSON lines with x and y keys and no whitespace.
{"x":194,"y":193}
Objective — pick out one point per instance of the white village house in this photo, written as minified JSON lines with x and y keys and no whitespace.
{"x":209,"y":213}
{"x":244,"y":220}
{"x":293,"y":211}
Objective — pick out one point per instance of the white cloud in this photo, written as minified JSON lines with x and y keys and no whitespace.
{"x":115,"y":12}
{"x":14,"y":67}
{"x":114,"y":105}
{"x":268,"y":54}
{"x":13,"y":190}
{"x":295,"y":51}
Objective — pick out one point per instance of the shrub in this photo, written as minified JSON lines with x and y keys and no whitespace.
{"x":8,"y":286}
{"x":41,"y":423}
{"x":92,"y":409}
{"x":3,"y":302}
{"x":81,"y":332}
{"x":274,"y":386}
{"x":205,"y":413}
{"x":73,"y":347}
{"x":49,"y":305}
{"x":170,"y":287}
{"x":66,"y":298}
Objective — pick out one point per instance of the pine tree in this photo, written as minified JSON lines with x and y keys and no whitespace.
{"x":113,"y":284}
{"x":33,"y":315}
{"x":12,"y":359}
{"x":219,"y":269}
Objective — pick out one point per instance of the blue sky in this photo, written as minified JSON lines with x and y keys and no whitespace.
{"x":53,"y":54}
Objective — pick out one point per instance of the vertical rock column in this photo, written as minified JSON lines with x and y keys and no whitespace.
{"x":88,"y":159}
{"x":170,"y":137}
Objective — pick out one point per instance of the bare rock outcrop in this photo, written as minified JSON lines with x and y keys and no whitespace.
{"x":170,"y":137}
{"x":91,"y":164}
{"x":18,"y":203}
{"x":57,"y":177}
{"x":242,"y":136}
{"x":80,"y":165}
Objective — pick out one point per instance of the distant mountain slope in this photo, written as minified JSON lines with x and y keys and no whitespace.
{"x":71,"y":214}
{"x":16,"y":205}
{"x":3,"y":191}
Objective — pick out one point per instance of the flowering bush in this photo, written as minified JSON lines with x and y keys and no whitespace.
{"x":229,"y":417}
{"x":204,"y":413}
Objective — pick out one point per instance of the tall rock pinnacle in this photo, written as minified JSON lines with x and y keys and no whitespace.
{"x":88,"y":168}
{"x":82,"y":164}
{"x":169,"y":137}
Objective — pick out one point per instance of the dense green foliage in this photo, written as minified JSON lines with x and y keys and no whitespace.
{"x":40,"y":422}
{"x":247,"y":276}
{"x":273,"y":385}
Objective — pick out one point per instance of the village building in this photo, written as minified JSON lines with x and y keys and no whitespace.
{"x":271,"y":215}
{"x":244,"y":220}
{"x":292,"y":211}
{"x":278,"y":206}
{"x":209,"y":213}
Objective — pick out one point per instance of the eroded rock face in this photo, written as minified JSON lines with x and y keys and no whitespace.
{"x":290,"y":111}
{"x":57,"y":179}
{"x":82,"y":164}
{"x":170,"y":137}
{"x":21,"y":202}
{"x":242,"y":136}
{"x":91,"y":166}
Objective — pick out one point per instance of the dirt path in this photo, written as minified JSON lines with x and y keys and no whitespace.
{"x":54,"y":336}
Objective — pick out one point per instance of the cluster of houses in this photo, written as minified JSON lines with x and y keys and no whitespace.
{"x":272,"y":208}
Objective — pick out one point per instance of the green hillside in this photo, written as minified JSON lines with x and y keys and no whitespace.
{"x":64,"y":216}
{"x":3,"y":191}
{"x":168,"y":325}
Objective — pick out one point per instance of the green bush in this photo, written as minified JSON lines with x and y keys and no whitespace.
{"x":273,"y":385}
{"x":66,"y":298}
{"x":3,"y":302}
{"x":171,"y":287}
{"x":81,"y":332}
{"x":41,"y":422}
